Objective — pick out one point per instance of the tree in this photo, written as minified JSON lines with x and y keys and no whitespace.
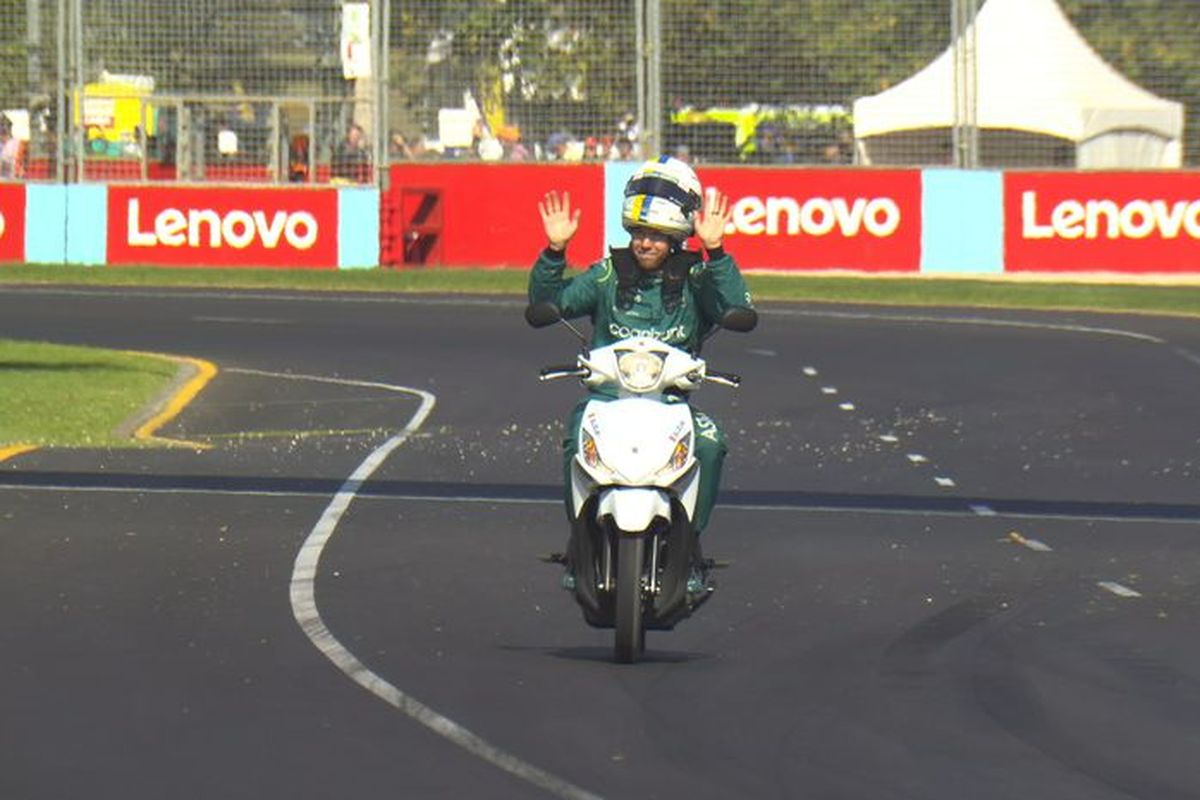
{"x":14,"y":55}
{"x":1154,"y":44}
{"x":547,"y":64}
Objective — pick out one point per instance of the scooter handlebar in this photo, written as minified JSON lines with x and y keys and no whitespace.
{"x":723,"y":378}
{"x":553,"y":373}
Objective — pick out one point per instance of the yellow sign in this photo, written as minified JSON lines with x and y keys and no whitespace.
{"x":112,"y":109}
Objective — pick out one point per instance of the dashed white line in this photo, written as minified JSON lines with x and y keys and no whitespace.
{"x":889,"y":438}
{"x":846,"y":406}
{"x":1118,"y":589}
{"x":810,"y":372}
{"x":917,"y":458}
{"x":829,"y":390}
{"x":944,"y":482}
{"x":245,"y":320}
{"x":983,"y":511}
{"x":1032,"y":544}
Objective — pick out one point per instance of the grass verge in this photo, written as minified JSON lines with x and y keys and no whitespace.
{"x":1082,"y":295}
{"x":55,"y":395}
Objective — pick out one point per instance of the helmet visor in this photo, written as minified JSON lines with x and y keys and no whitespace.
{"x":660,"y":187}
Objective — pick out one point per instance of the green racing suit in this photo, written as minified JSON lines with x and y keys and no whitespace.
{"x":677,"y":304}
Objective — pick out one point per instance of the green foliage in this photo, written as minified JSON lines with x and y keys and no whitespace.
{"x":1154,"y":44}
{"x":548,"y":61}
{"x":14,"y":78}
{"x":729,"y":52}
{"x":569,"y":62}
{"x":210,"y":46}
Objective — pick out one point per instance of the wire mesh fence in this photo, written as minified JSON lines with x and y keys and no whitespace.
{"x":519,"y":80}
{"x":310,"y":91}
{"x":207,"y":90}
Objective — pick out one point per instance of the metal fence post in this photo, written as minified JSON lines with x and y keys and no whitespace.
{"x":383,"y":83}
{"x":63,"y":104}
{"x":966,"y":83}
{"x":653,"y":120}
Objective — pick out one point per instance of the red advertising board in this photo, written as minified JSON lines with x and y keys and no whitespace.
{"x":795,"y":219}
{"x":487,"y":214}
{"x":1143,"y":222}
{"x":12,"y":222}
{"x":222,"y":227}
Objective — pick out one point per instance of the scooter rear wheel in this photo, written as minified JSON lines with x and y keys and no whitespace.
{"x":631,"y":636}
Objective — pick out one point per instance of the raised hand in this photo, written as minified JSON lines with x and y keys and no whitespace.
{"x":711,"y":221}
{"x":558,"y":220}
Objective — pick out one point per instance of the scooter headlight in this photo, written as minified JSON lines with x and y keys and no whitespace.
{"x":639,"y":371}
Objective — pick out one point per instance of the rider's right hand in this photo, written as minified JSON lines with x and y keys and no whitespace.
{"x":558,"y":220}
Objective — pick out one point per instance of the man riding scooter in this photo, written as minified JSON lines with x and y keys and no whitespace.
{"x":652,"y":288}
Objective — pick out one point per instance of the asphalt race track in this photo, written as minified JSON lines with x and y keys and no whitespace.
{"x":965,"y":554}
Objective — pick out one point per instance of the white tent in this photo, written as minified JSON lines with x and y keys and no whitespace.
{"x":1036,"y":77}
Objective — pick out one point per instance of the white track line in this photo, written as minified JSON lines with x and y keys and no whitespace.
{"x":983,"y":321}
{"x":304,"y":607}
{"x":1033,"y":544}
{"x":1120,"y":590}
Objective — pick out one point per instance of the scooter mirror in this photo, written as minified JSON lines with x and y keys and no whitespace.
{"x":739,"y":320}
{"x":541,"y":315}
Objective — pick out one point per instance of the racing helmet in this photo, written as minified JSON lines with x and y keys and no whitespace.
{"x":663,"y":195}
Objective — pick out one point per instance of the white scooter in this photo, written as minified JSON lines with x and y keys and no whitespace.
{"x":634,"y":482}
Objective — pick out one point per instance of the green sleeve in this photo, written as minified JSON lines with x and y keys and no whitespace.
{"x":720,"y":286}
{"x":577,"y":296}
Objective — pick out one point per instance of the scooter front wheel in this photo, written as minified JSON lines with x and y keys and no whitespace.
{"x":631,"y":635}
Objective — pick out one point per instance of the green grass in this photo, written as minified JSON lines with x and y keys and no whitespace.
{"x":54,"y":395}
{"x":909,"y":291}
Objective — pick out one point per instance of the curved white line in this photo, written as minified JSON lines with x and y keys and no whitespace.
{"x":308,"y":616}
{"x":983,"y":321}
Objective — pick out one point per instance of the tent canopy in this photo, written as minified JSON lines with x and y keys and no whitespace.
{"x":1037,"y":75}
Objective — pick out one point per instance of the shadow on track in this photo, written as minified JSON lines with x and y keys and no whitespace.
{"x":604,"y":655}
{"x":537,"y":493}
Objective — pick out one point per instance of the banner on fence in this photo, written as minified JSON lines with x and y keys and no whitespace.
{"x":1144,"y":222}
{"x":12,"y":222}
{"x":222,"y":227}
{"x":822,"y":219}
{"x":487,"y":214}
{"x":782,"y":219}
